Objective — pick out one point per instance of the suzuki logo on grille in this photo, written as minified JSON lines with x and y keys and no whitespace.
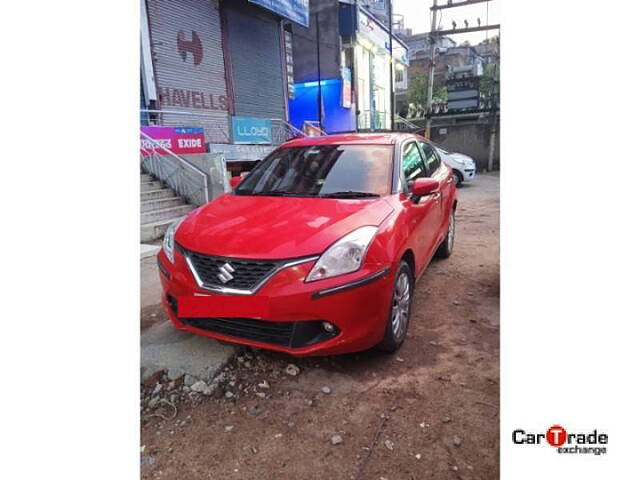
{"x":225,"y":273}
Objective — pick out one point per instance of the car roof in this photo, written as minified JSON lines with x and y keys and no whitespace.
{"x":388,"y":138}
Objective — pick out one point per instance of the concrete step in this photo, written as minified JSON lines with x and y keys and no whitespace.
{"x":160,"y":203}
{"x":146,"y":186}
{"x":156,"y":194}
{"x":145,"y":177}
{"x":165,"y":214}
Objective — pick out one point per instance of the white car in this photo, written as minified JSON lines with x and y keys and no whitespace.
{"x":462,"y":165}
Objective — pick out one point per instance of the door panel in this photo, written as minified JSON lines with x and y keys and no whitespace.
{"x":438,"y":171}
{"x":423,"y":216}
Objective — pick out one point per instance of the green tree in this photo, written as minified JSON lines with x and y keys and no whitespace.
{"x":440,"y":94}
{"x":418,"y":90}
{"x":487,"y":92}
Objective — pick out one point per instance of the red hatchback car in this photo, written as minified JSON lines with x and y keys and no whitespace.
{"x":317,"y":250}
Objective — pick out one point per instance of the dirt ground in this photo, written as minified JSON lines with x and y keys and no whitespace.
{"x":430,"y":411}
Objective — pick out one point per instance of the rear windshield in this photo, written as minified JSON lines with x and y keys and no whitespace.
{"x":333,"y":171}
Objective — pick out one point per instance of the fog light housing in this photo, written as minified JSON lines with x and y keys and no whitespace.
{"x":328,"y":327}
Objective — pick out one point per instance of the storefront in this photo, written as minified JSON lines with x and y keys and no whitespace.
{"x":372,"y":56}
{"x":254,"y":40}
{"x":185,"y":41}
{"x":256,"y":52}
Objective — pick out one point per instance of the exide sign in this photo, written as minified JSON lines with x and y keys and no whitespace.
{"x":178,"y":140}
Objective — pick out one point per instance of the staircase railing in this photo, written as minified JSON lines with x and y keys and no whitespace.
{"x":401,"y":123}
{"x":281,"y":131}
{"x":187,"y":180}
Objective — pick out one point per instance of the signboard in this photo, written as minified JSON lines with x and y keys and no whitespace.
{"x":241,"y":153}
{"x":288,"y":53}
{"x":369,"y":28}
{"x":250,"y":130}
{"x":345,"y":98}
{"x":295,"y":10}
{"x":179,"y":140}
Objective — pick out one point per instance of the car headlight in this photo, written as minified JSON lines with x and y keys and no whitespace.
{"x":168,"y":244}
{"x":344,"y":256}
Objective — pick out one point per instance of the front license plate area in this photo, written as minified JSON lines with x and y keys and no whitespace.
{"x":223,"y":306}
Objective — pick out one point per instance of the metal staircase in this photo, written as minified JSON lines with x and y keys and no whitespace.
{"x":170,"y":187}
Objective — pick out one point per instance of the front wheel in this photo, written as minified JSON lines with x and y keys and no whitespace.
{"x":457,"y":178}
{"x":398,"y":321}
{"x":446,"y":247}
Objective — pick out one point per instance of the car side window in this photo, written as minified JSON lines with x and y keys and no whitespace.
{"x":432,"y":160}
{"x":412,"y":163}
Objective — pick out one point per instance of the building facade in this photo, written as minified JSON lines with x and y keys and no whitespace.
{"x":236,"y":70}
{"x":342,"y":68}
{"x":220,"y":66}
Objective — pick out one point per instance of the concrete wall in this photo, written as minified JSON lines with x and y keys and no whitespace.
{"x":471,"y":139}
{"x":213,"y":165}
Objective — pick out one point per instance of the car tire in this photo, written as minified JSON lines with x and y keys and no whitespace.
{"x":399,"y":311}
{"x":457,"y":176}
{"x":446,"y":247}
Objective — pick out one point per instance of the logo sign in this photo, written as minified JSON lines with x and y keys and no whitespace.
{"x":225,"y":273}
{"x":178,"y":140}
{"x":294,"y":10}
{"x":556,"y":436}
{"x":193,"y":46}
{"x":249,"y":130}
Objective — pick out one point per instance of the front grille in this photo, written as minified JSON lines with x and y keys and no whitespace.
{"x":246,"y":274}
{"x":286,"y":334}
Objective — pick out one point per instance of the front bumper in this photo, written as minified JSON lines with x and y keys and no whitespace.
{"x":285,"y":314}
{"x":469,"y":174}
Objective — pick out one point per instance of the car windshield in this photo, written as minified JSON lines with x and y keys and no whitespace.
{"x":333,"y":171}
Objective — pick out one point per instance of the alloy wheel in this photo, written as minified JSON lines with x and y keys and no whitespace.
{"x":401,"y":304}
{"x":452,"y":231}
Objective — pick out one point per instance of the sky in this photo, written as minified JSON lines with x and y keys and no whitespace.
{"x":417,"y":17}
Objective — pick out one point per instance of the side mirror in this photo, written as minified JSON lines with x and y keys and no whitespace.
{"x":423,"y":186}
{"x":235,"y":181}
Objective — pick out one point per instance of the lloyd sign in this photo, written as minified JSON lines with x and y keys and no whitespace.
{"x":178,"y":140}
{"x":249,"y":130}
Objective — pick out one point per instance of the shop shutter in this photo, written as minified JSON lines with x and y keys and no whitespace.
{"x":256,"y":61}
{"x":186,"y":42}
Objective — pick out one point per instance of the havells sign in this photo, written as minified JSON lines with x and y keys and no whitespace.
{"x":249,"y":130}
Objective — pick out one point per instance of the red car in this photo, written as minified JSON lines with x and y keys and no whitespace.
{"x":317,"y":250}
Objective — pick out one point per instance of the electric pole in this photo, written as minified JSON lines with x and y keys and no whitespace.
{"x":433,"y":37}
{"x":318,"y":66}
{"x":432,"y":68}
{"x":494,"y":111}
{"x":392,"y":78}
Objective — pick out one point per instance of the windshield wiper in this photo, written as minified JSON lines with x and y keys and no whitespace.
{"x":273,"y":193}
{"x":349,"y":194}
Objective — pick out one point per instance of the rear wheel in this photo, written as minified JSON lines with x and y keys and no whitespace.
{"x":446,"y":247}
{"x":398,"y":321}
